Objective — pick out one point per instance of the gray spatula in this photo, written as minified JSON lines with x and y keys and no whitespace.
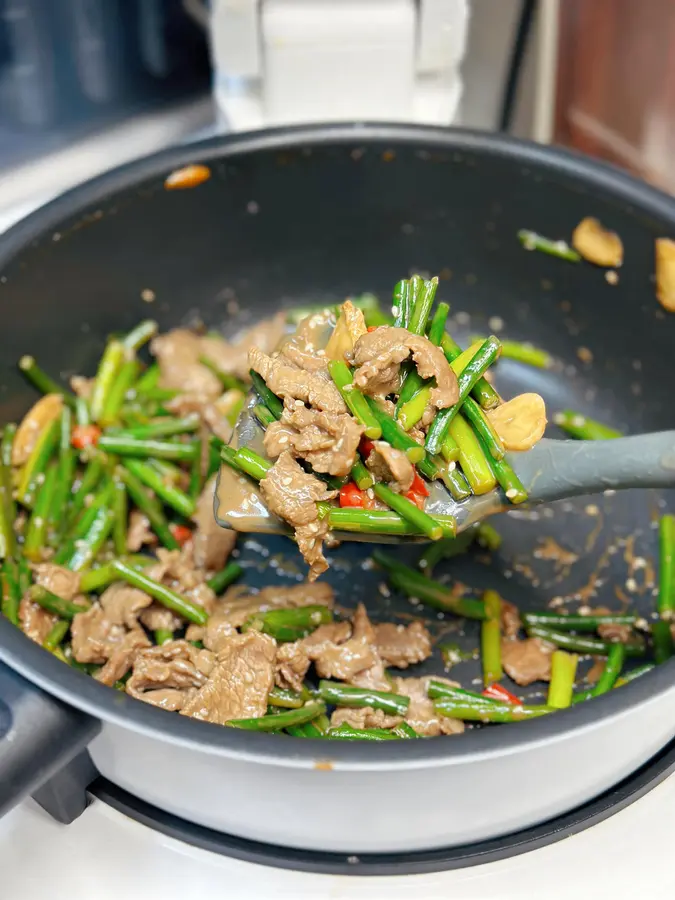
{"x":552,"y":470}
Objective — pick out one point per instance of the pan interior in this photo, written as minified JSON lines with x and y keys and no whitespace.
{"x":318,"y":222}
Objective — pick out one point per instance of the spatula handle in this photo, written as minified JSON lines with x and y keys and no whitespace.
{"x":555,"y":469}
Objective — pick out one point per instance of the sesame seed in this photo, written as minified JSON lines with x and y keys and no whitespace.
{"x":147,"y":296}
{"x":287,"y":481}
{"x":631,"y":584}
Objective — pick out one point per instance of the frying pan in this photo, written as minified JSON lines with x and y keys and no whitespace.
{"x":307,"y":215}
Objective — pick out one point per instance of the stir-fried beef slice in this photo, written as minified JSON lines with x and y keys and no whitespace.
{"x":301,"y":353}
{"x":232,"y":356}
{"x":57,"y":580}
{"x":328,"y":442}
{"x":99,"y":632}
{"x":331,"y":634}
{"x":417,"y":435}
{"x":379,"y":354}
{"x":122,"y":603}
{"x":211,"y":544}
{"x":374,"y":677}
{"x":527,"y":661}
{"x":402,"y":645}
{"x":140,"y":534}
{"x":310,"y":543}
{"x":292,"y":664}
{"x":345,"y":661}
{"x":611,"y":631}
{"x":238,"y":604}
{"x":292,"y":494}
{"x":178,"y":353}
{"x":365,"y":717}
{"x":122,"y":657}
{"x":391,"y":465}
{"x":290,"y":382}
{"x":294,"y":659}
{"x":176,"y":569}
{"x":421,"y":714}
{"x":510,"y":619}
{"x":354,"y":656}
{"x":240,"y":681}
{"x":35,"y":621}
{"x":170,"y":675}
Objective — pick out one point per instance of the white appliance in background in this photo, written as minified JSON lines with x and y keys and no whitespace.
{"x":286,"y":61}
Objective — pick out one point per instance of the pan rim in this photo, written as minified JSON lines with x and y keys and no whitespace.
{"x":45,"y":671}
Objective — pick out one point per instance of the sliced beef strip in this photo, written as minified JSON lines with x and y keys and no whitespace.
{"x":35,"y":621}
{"x":327,"y":442}
{"x":170,"y":675}
{"x":292,"y":664}
{"x":374,"y":677}
{"x":527,"y":661}
{"x":610,"y":631}
{"x":57,"y":580}
{"x":310,"y":540}
{"x":211,"y":544}
{"x":354,"y":657}
{"x":140,"y":534}
{"x":402,"y":645}
{"x":239,"y":683}
{"x":232,"y":356}
{"x":292,"y":494}
{"x":301,"y":354}
{"x":176,"y":569}
{"x":122,"y":657}
{"x":344,"y":661}
{"x":391,"y":465}
{"x":238,"y":604}
{"x":378,"y":356}
{"x":290,"y":382}
{"x":103,"y":629}
{"x":178,"y":353}
{"x":366,"y":717}
{"x":421,"y":714}
{"x":294,"y":659}
{"x":510,"y":619}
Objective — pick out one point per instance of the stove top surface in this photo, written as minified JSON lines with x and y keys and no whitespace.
{"x":611,"y":847}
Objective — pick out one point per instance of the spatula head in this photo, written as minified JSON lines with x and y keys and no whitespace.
{"x":238,"y":503}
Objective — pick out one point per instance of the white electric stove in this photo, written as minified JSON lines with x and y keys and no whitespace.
{"x":105,"y":854}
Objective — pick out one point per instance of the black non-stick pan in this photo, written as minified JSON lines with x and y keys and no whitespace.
{"x":304,"y":216}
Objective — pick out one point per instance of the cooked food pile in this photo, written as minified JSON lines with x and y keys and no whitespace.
{"x":113,"y":562}
{"x":360,"y":420}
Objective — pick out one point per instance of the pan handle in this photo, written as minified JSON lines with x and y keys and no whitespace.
{"x":39,"y":736}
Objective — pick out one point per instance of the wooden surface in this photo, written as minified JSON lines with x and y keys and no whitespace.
{"x":615,"y":94}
